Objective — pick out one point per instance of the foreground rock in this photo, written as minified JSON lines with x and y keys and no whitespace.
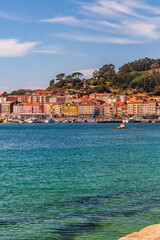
{"x":148,"y":233}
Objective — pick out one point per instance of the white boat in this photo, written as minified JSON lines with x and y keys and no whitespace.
{"x":49,"y":120}
{"x":125,"y":120}
{"x":29,"y":120}
{"x":17,"y":121}
{"x":130,"y":120}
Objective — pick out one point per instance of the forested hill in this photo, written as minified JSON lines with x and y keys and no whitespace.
{"x":142,"y":75}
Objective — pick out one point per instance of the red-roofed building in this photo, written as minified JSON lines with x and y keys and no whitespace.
{"x":107,"y":110}
{"x":100,"y":96}
{"x":142,"y":107}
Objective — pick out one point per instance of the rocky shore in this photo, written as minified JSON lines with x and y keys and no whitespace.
{"x":148,"y":233}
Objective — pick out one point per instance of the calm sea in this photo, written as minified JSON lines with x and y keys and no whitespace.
{"x":78,"y":181}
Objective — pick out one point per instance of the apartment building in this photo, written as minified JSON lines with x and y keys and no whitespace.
{"x":48,"y":108}
{"x":113,"y":99}
{"x":107,"y":110}
{"x":119,"y":108}
{"x":39,"y":98}
{"x":33,"y":108}
{"x":2,"y":99}
{"x":70,"y":110}
{"x":149,"y":108}
{"x":55,"y":99}
{"x":18,"y":109}
{"x":57,"y":109}
{"x":7,"y":107}
{"x":87,"y":108}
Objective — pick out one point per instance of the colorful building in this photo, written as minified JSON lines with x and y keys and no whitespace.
{"x":70,"y":110}
{"x":33,"y":108}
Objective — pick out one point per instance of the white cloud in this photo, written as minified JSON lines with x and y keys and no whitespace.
{"x":64,"y":20}
{"x":116,"y":7}
{"x":97,"y":39}
{"x":68,"y":20}
{"x":47,"y":51}
{"x":14,"y":48}
{"x":139,"y":28}
{"x":11,"y":17}
{"x":50,"y":49}
{"x":87,"y":72}
{"x":126,"y":17}
{"x":120,"y":21}
{"x":108,"y":7}
{"x":142,"y":5}
{"x":135,"y":28}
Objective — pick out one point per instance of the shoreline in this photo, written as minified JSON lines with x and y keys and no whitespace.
{"x":75,"y":120}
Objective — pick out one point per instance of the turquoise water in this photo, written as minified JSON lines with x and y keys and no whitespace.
{"x":78,"y":181}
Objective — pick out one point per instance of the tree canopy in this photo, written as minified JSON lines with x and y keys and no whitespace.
{"x":141,"y":75}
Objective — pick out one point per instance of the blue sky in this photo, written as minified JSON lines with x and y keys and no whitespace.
{"x":42,"y":38}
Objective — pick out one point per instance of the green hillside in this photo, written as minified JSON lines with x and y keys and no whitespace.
{"x":142,"y":75}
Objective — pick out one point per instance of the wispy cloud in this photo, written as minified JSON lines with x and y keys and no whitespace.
{"x":122,"y":21}
{"x":117,"y":7}
{"x":14,"y":48}
{"x":130,"y":17}
{"x":108,"y":7}
{"x":47,"y":51}
{"x":50,"y":49}
{"x":137,"y":28}
{"x":64,"y":20}
{"x":12,"y":17}
{"x":96,"y":39}
{"x":73,"y":21}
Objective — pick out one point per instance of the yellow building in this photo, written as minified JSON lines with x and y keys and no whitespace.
{"x":70,"y":110}
{"x":22,"y":98}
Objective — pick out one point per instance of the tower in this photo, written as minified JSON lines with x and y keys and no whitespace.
{"x":84,"y":89}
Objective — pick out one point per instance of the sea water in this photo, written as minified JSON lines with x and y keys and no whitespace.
{"x":78,"y":181}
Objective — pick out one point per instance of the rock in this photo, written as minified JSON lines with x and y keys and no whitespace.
{"x":148,"y":233}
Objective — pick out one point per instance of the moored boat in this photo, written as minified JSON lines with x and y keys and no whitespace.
{"x":49,"y":120}
{"x":130,"y":120}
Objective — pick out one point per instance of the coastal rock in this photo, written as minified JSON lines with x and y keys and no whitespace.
{"x":148,"y":233}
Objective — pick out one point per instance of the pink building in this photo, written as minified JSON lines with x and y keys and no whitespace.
{"x":29,"y":108}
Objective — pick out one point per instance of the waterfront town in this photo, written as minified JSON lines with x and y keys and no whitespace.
{"x":97,"y":107}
